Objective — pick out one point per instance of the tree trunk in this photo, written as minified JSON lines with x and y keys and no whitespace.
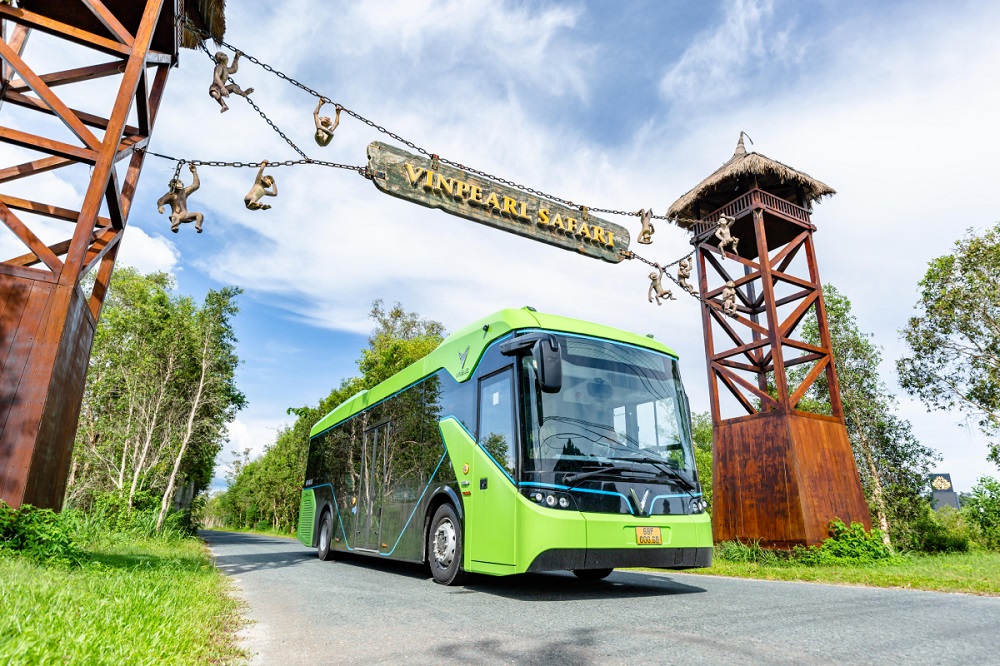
{"x":195,"y":406}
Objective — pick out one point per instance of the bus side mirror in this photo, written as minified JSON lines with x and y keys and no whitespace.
{"x":549,"y":364}
{"x":544,"y":350}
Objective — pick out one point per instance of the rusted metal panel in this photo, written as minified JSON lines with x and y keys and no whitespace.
{"x":429,"y":183}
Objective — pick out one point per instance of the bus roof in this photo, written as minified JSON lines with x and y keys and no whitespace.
{"x":460,"y":352}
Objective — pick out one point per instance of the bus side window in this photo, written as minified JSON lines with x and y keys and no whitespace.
{"x":496,"y":418}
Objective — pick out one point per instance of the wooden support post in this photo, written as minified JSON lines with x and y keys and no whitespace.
{"x":47,"y":322}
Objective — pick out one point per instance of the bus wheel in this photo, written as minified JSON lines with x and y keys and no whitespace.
{"x":592,"y":574}
{"x":326,"y":537}
{"x":444,"y":546}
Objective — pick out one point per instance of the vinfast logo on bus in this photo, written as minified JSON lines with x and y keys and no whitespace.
{"x":429,"y":183}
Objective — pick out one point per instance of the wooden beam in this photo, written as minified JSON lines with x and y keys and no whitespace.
{"x":17,"y":40}
{"x":793,"y":320}
{"x":47,"y":210}
{"x":791,"y":279}
{"x":31,"y":258}
{"x":807,"y":358}
{"x":781,"y":260}
{"x":109,"y":20}
{"x":804,"y":346}
{"x":733,"y":335}
{"x":756,"y":344}
{"x":50,"y":98}
{"x":85,"y":118}
{"x":808,"y":381}
{"x":99,"y":248}
{"x":30,"y":239}
{"x":720,"y":373}
{"x":45,"y":145}
{"x":113,"y":198}
{"x":64,"y":30}
{"x":109,"y":151}
{"x":32,"y":168}
{"x":763,"y":396}
{"x":68,"y":76}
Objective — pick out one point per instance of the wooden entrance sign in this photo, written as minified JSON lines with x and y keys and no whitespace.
{"x":47,"y":320}
{"x":435,"y":185}
{"x":780,"y":473}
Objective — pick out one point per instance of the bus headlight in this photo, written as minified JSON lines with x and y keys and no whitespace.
{"x":552,"y":499}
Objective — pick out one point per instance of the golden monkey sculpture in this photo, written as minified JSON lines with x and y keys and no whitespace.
{"x":646,"y":233}
{"x":729,"y":299}
{"x":656,"y":288}
{"x":724,"y":236}
{"x":259,"y":190}
{"x":683,"y":273}
{"x":220,"y":88}
{"x":176,"y":198}
{"x":324,"y":126}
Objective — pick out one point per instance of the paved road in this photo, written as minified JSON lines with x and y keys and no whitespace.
{"x":365,"y":611}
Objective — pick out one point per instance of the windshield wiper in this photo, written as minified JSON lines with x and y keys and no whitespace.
{"x":573,"y":480}
{"x":662,"y":465}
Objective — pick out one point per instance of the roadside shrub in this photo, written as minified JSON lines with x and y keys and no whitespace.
{"x":751,"y":553}
{"x":942,"y":531}
{"x":846,"y":545}
{"x":982,"y":509}
{"x":39,"y":534}
{"x":110,"y":514}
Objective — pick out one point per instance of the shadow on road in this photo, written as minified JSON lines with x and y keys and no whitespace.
{"x":567,"y":587}
{"x":245,"y":562}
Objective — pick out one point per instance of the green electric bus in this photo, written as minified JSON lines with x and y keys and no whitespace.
{"x":524,"y":442}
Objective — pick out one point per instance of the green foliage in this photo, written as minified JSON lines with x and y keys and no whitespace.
{"x":39,"y":534}
{"x":160,"y":391}
{"x":892,"y":464}
{"x":737,"y":551}
{"x":701,"y":433}
{"x":982,"y":508}
{"x":955,"y":336}
{"x":942,"y":531}
{"x":846,"y":544}
{"x":264,"y":493}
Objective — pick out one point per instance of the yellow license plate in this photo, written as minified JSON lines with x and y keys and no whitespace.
{"x":648,"y":536}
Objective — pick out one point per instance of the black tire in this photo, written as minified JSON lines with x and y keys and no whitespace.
{"x":444,"y":546}
{"x":325,"y":544}
{"x":592,"y":574}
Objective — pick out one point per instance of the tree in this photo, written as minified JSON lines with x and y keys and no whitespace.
{"x":955,"y":337}
{"x":892,"y":464}
{"x":160,"y":389}
{"x":266,"y":492}
{"x":701,"y":433}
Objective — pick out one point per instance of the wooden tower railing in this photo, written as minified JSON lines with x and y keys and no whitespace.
{"x":780,"y":473}
{"x":47,"y":321}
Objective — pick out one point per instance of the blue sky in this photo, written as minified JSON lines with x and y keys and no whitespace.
{"x":621,"y":105}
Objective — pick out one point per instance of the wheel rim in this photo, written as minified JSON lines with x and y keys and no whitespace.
{"x":444,"y":543}
{"x":324,"y":536}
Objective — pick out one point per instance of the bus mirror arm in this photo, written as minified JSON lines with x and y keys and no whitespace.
{"x":544,"y":349}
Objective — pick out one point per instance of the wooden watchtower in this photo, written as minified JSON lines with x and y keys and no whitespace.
{"x":47,"y":319}
{"x":780,"y":473}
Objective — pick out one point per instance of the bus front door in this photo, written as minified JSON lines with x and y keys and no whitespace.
{"x":496,"y":494}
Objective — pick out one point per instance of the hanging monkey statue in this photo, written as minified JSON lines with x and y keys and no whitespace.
{"x":176,"y":198}
{"x":656,"y":288}
{"x":683,"y":273}
{"x":646,"y":233}
{"x":724,"y":236}
{"x":324,"y":126}
{"x":729,"y":299}
{"x":259,"y":190}
{"x":220,"y":88}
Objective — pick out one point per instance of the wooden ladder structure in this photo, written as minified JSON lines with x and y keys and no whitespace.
{"x":47,"y":320}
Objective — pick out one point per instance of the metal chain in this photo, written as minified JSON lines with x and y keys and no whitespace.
{"x":409,"y":144}
{"x":363,"y":170}
{"x":257,"y":108}
{"x":628,"y":254}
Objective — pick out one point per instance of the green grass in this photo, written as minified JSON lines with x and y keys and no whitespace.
{"x":131,"y":601}
{"x":972,"y":573}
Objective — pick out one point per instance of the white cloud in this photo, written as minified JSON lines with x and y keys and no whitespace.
{"x":719,"y":64}
{"x":148,"y":253}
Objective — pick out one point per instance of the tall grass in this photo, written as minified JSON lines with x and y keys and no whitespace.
{"x":128,"y":596}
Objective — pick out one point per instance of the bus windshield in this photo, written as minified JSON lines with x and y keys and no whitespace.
{"x":621,"y":408}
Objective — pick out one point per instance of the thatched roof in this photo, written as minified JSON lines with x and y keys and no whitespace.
{"x":742,"y":172}
{"x":209,"y":15}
